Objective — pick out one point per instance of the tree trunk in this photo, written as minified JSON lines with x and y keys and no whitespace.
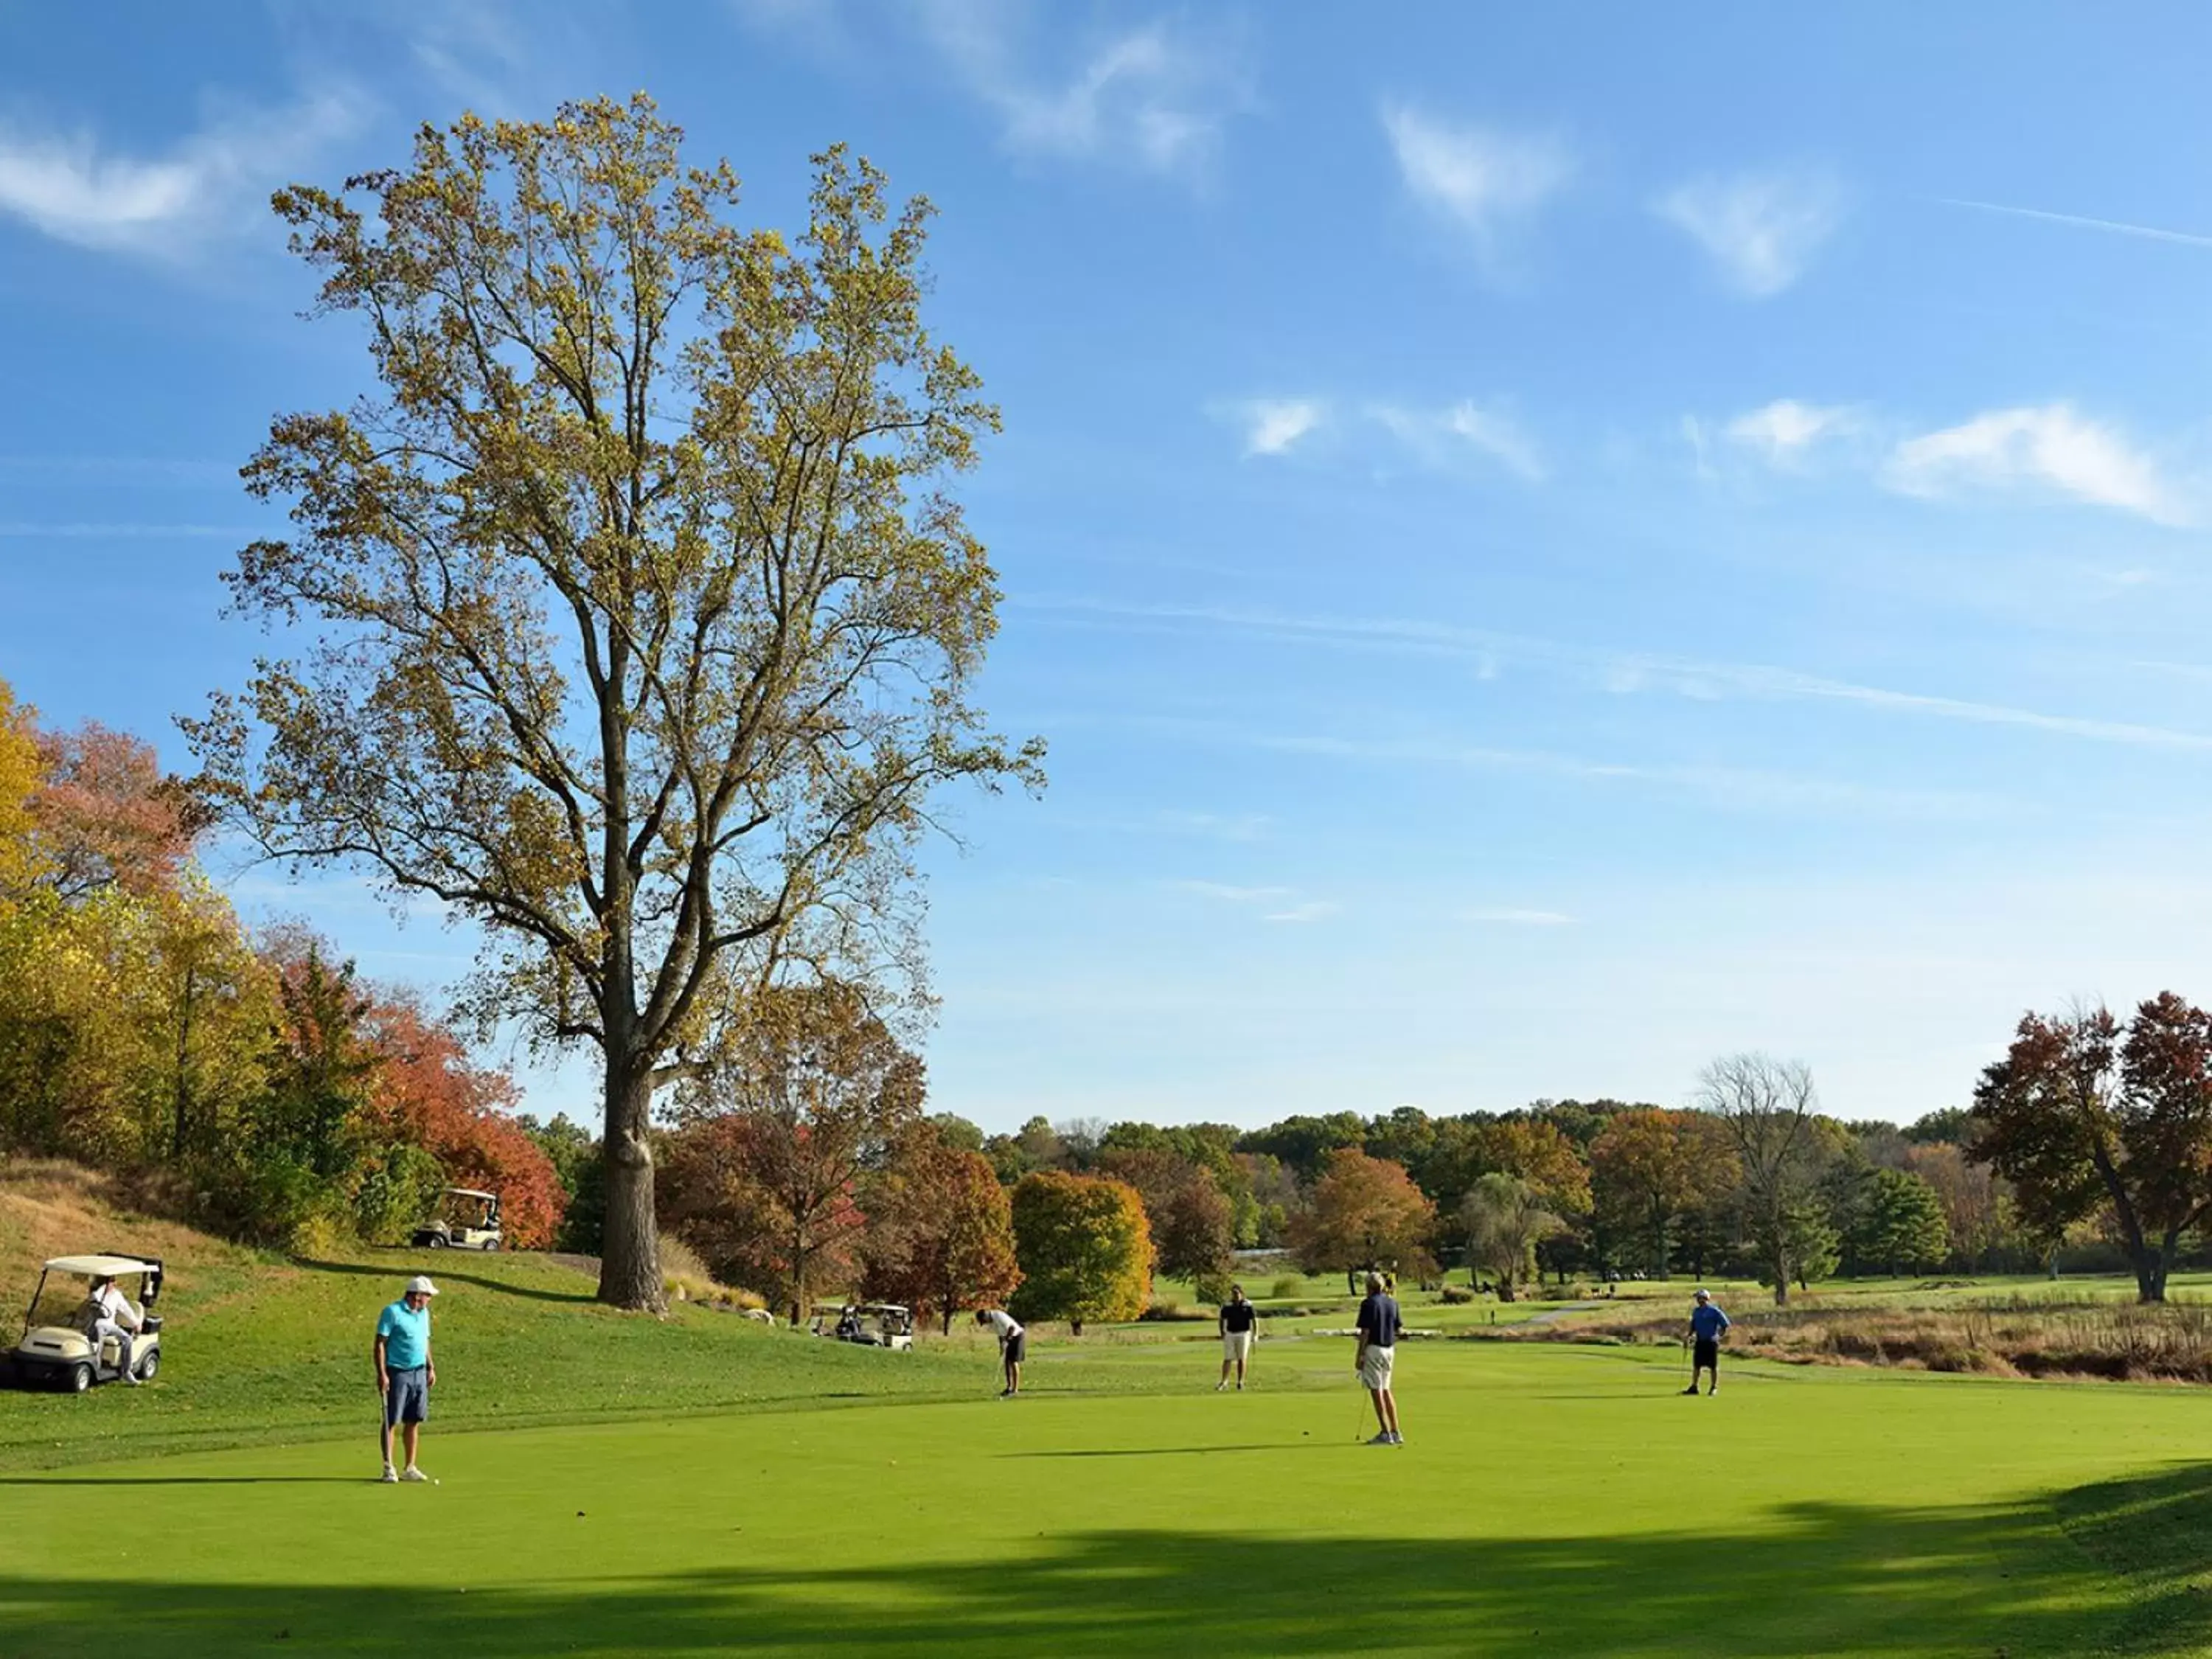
{"x":1075,"y":1327}
{"x":629,"y":1254}
{"x":1781,"y":1266}
{"x":2151,"y":1266}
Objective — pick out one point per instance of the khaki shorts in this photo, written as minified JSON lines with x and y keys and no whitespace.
{"x":1374,"y":1368}
{"x":1237,"y":1345}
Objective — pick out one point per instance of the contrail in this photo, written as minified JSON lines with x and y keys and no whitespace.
{"x":2150,"y":232}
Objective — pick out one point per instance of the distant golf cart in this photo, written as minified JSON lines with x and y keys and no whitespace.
{"x":57,"y":1350}
{"x":469,"y":1221}
{"x":871,"y":1324}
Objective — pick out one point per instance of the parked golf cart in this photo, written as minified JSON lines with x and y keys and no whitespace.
{"x":871,"y":1324}
{"x":470,"y":1221}
{"x":57,"y":1351}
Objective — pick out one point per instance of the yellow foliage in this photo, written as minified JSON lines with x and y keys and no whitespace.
{"x":19,"y":778}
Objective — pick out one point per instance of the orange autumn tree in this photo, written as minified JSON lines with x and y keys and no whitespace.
{"x":1366,"y":1212}
{"x":461,"y":1114}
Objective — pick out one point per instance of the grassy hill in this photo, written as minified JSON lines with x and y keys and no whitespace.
{"x":260,"y":1348}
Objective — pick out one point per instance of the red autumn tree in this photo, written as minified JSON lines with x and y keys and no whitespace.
{"x":104,"y":814}
{"x":460,"y":1114}
{"x":940,"y":1233}
{"x":810,"y":1098}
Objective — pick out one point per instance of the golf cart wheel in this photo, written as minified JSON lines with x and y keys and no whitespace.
{"x":78,"y":1379}
{"x":493,"y":1245}
{"x":436,"y":1241}
{"x":149,"y":1365}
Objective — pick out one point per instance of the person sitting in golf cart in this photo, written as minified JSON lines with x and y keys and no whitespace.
{"x":108,"y":1312}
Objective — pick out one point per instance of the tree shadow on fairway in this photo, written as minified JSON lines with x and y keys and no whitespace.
{"x":1818,"y":1580}
{"x":1269,"y":1446}
{"x":368,"y":1270}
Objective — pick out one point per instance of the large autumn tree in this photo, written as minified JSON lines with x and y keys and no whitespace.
{"x":808,"y":1098}
{"x":940,"y":1230}
{"x":1365,"y":1212}
{"x":1084,"y":1248}
{"x":2082,"y":1113}
{"x":642,"y":625}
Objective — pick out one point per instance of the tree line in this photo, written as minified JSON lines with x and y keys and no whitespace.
{"x":255,"y":1082}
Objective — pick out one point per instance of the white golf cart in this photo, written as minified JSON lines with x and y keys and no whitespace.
{"x":469,"y":1221}
{"x":871,"y":1324}
{"x":58,"y":1350}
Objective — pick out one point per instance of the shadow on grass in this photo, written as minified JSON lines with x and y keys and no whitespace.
{"x":1816,"y":1580}
{"x":370,"y":1270}
{"x":186,"y":1480}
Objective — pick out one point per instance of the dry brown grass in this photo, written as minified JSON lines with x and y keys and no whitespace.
{"x":49,"y":1208}
{"x":686,"y":1278}
{"x":2016,"y":1336}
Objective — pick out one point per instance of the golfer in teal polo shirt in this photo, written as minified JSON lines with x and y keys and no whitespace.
{"x":405,"y":1371}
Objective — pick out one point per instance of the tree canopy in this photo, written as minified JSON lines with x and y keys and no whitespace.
{"x":645,"y":625}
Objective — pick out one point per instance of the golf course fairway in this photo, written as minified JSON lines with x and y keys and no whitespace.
{"x":1550,"y":1500}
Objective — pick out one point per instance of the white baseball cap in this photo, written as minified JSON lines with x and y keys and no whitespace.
{"x":420,"y":1283}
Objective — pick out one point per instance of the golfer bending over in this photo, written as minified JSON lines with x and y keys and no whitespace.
{"x":1706,"y":1324}
{"x":405,"y":1372}
{"x":1013,"y":1347}
{"x":114,"y":1316}
{"x":1378,"y":1341}
{"x":1239,"y":1323}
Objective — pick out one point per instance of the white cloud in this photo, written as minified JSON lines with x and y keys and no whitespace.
{"x":1310,"y":910}
{"x":1231,"y":895}
{"x":1480,"y":178}
{"x":1786,"y":428}
{"x":1624,"y":673}
{"x":1760,"y":228}
{"x":1442,"y":438}
{"x":1155,"y":98}
{"x":1510,"y":918}
{"x":2049,"y":448}
{"x":212,"y":181}
{"x":1272,"y":425}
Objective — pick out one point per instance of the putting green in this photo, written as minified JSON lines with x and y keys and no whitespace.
{"x":1551,"y":1500}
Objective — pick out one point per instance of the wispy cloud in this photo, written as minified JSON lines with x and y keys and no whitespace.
{"x":1278,"y":904}
{"x":1272,"y":425}
{"x":1228,"y":894}
{"x":1445,"y":437}
{"x":2081,"y":221}
{"x":1761,"y":229}
{"x":2049,"y":448}
{"x":1784,"y":430}
{"x":1628,"y":673}
{"x":1484,"y":181}
{"x":68,"y":186}
{"x":1155,"y":98}
{"x":1508,"y":918}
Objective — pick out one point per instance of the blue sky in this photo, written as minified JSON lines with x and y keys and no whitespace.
{"x":1548,"y":544}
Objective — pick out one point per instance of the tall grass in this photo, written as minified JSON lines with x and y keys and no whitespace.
{"x":2016,"y":1335}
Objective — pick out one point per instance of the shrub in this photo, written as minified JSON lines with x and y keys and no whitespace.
{"x":1165,"y":1307}
{"x":1213,"y":1287}
{"x":1456,"y":1295}
{"x":1288,"y":1285}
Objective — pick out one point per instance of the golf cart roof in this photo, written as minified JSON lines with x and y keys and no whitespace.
{"x":100,"y":1267}
{"x":469,"y":1192}
{"x":883,"y":1307}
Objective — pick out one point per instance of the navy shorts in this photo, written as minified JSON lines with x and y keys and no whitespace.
{"x":1018,"y":1348}
{"x":408,"y":1399}
{"x":1706,"y":1356}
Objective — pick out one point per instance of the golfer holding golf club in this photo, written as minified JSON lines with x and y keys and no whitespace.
{"x":1378,"y":1324}
{"x":405,"y":1371}
{"x":1707,"y":1321}
{"x":1013,"y":1347}
{"x":112,"y":1315}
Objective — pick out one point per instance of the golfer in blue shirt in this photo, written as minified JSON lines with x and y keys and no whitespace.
{"x":405,"y":1371}
{"x":1706,"y":1324}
